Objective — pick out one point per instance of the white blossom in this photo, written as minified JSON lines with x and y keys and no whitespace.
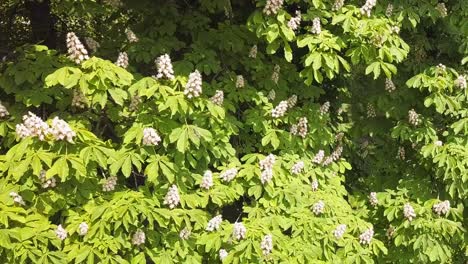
{"x":61,"y":130}
{"x":122,"y":60}
{"x":207,"y":180}
{"x":272,"y":7}
{"x":172,"y":197}
{"x":389,"y":10}
{"x":228,"y":175}
{"x":267,"y":245}
{"x":314,"y":185}
{"x":297,"y":167}
{"x":316,"y":26}
{"x":184,"y":233}
{"x":373,"y":199}
{"x":32,"y":126}
{"x":79,"y":100}
{"x":218,"y":98}
{"x":164,"y":67}
{"x":240,"y":83}
{"x":440,"y":68}
{"x":214,"y":223}
{"x":324,"y":108}
{"x":442,"y":208}
{"x":135,"y":102}
{"x":319,"y":157}
{"x":275,"y":74}
{"x":389,"y":85}
{"x":401,"y":153}
{"x":239,"y":231}
{"x":17,"y":198}
{"x":83,"y":229}
{"x":138,"y":238}
{"x":47,"y":183}
{"x":339,"y":231}
{"x":150,"y":137}
{"x":131,"y":37}
{"x":438,"y":143}
{"x":413,"y":118}
{"x":461,"y":82}
{"x":318,"y":207}
{"x":367,"y":7}
{"x":292,"y":101}
{"x":442,"y":9}
{"x":223,"y":254}
{"x":280,"y":109}
{"x":109,"y":184}
{"x":193,"y":88}
{"x":337,"y":5}
{"x":295,"y":21}
{"x":371,"y":111}
{"x":366,"y":237}
{"x":253,"y":52}
{"x":408,"y":212}
{"x":390,"y":231}
{"x":76,"y":50}
{"x":266,"y":165}
{"x":61,"y":233}
{"x":293,"y":129}
{"x":3,"y":111}
{"x":302,"y":127}
{"x":271,"y":95}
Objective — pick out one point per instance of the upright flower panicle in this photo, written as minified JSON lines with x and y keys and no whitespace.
{"x":131,"y":37}
{"x":413,"y":118}
{"x":292,"y":101}
{"x":442,"y":9}
{"x":193,"y":88}
{"x":253,"y":52}
{"x":275,"y":74}
{"x":295,"y":21}
{"x":401,"y":153}
{"x":366,"y":237}
{"x":324,"y":108}
{"x":319,"y":157}
{"x":32,"y":126}
{"x":239,"y":231}
{"x":3,"y":111}
{"x":271,"y":95}
{"x":367,"y":7}
{"x":339,"y":231}
{"x":267,"y":245}
{"x":47,"y":183}
{"x":373,"y":199}
{"x":218,"y":98}
{"x":78,"y":100}
{"x":408,"y":212}
{"x":371,"y":111}
{"x":337,"y":5}
{"x":214,"y":223}
{"x":240,"y":83}
{"x":316,"y":26}
{"x":314,"y":185}
{"x":223,"y":254}
{"x":389,"y":10}
{"x":207,"y":180}
{"x":228,"y":175}
{"x":150,"y":137}
{"x":138,"y":238}
{"x":122,"y":60}
{"x":61,"y":130}
{"x":297,"y":167}
{"x":76,"y":50}
{"x":61,"y":233}
{"x":461,"y":82}
{"x":266,"y":166}
{"x":164,"y":67}
{"x":272,"y":7}
{"x":318,"y":207}
{"x":280,"y":109}
{"x":442,"y":208}
{"x":389,"y":85}
{"x":184,"y":233}
{"x":109,"y":184}
{"x":83,"y":229}
{"x":172,"y":198}
{"x":17,"y":198}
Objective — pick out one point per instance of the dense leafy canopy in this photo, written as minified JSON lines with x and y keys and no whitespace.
{"x":320,"y":131}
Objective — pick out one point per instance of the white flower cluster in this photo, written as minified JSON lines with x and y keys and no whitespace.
{"x":438,"y":143}
{"x":314,"y":185}
{"x":214,"y":223}
{"x":131,"y":37}
{"x":408,"y":212}
{"x":61,"y":130}
{"x":318,"y":207}
{"x":367,"y":7}
{"x":373,"y":199}
{"x":150,"y":137}
{"x":440,"y":68}
{"x":92,"y":44}
{"x":3,"y":111}
{"x":413,"y":118}
{"x":185,"y":234}
{"x":267,"y":245}
{"x":76,"y":50}
{"x":193,"y":88}
{"x":253,"y":52}
{"x":442,"y":9}
{"x":442,"y":208}
{"x":83,"y":229}
{"x":79,"y":99}
{"x":46,"y":183}
{"x":223,"y":254}
{"x":218,"y":98}
{"x":138,"y":238}
{"x":109,"y":184}
{"x":295,"y":21}
{"x":207,"y":180}
{"x":271,"y":95}
{"x":324,"y":108}
{"x":316,"y":27}
{"x":164,"y":66}
{"x":401,"y":153}
{"x":266,"y":166}
{"x":390,"y":231}
{"x":272,"y":7}
{"x":17,"y":198}
{"x":319,"y":157}
{"x":280,"y":109}
{"x":122,"y":60}
{"x":61,"y":233}
{"x":300,"y":128}
{"x":461,"y":82}
{"x":389,"y":10}
{"x":239,"y":231}
{"x":134,"y":103}
{"x":339,"y":231}
{"x":389,"y":85}
{"x":334,"y":156}
{"x":172,"y":197}
{"x":371,"y":111}
{"x":395,"y":29}
{"x":297,"y":167}
{"x":228,"y":175}
{"x":275,"y":74}
{"x":240,"y":83}
{"x":292,"y":101}
{"x":337,"y":5}
{"x":32,"y":126}
{"x":366,"y":237}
